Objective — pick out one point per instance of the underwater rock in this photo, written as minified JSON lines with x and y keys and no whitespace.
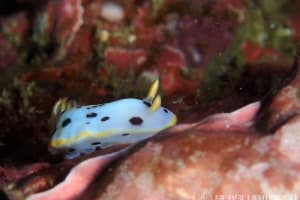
{"x":216,"y":31}
{"x":254,"y":53}
{"x":147,"y":35}
{"x":197,"y":161}
{"x":171,"y":57}
{"x":174,"y":84}
{"x":171,"y":63}
{"x":285,"y":105}
{"x":16,"y":27}
{"x":70,"y":18}
{"x":48,"y":176}
{"x":59,"y":20}
{"x":287,"y":139}
{"x":78,"y":179}
{"x":294,"y":23}
{"x":14,"y":30}
{"x":15,"y":174}
{"x":125,"y":58}
{"x":8,"y":54}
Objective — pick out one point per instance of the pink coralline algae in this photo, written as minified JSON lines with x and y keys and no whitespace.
{"x":288,"y":138}
{"x":8,"y":54}
{"x":14,"y":30}
{"x":61,"y":20}
{"x":148,"y":35}
{"x":78,"y":179}
{"x":16,"y":27}
{"x":189,"y":39}
{"x":69,"y":20}
{"x":214,"y":158}
{"x":171,"y":57}
{"x":284,"y":105}
{"x":15,"y":174}
{"x":124,"y":58}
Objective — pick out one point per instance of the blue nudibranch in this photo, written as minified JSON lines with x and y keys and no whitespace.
{"x":83,"y":129}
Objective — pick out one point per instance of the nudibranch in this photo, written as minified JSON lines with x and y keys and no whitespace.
{"x":85,"y":128}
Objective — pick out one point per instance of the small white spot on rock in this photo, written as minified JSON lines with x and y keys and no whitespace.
{"x":246,"y":141}
{"x":196,"y":156}
{"x":131,"y":38}
{"x":112,"y":11}
{"x":68,"y":8}
{"x":233,"y":148}
{"x":196,"y":56}
{"x":183,"y":194}
{"x":289,"y":140}
{"x":180,"y":164}
{"x":104,"y":35}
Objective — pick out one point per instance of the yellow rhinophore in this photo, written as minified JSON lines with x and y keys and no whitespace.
{"x":62,"y":105}
{"x":156,"y":103}
{"x":153,"y":90}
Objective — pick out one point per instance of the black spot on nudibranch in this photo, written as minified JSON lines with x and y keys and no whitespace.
{"x":105,"y":118}
{"x":147,"y":103}
{"x":92,"y":114}
{"x":71,"y":150}
{"x":136,"y":120}
{"x":95,"y":143}
{"x":125,"y":134}
{"x":66,"y":122}
{"x":166,"y":111}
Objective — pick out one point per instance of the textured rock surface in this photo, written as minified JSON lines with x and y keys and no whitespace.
{"x":284,"y":106}
{"x":207,"y":162}
{"x":57,"y":174}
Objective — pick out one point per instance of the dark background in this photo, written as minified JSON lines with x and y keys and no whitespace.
{"x":8,"y":7}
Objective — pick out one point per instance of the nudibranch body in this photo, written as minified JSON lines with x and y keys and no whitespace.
{"x":83,"y":129}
